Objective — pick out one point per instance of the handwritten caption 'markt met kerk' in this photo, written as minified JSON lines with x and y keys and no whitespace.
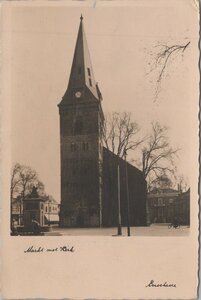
{"x":40,"y":249}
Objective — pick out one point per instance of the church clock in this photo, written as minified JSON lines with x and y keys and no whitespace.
{"x":78,"y":94}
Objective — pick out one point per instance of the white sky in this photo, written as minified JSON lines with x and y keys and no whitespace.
{"x":120,"y":40}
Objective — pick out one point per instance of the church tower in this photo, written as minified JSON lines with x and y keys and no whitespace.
{"x":81,"y":122}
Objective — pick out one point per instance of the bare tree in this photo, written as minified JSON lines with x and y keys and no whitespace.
{"x":162,"y":181}
{"x":120,"y":133}
{"x":157,"y":155}
{"x":28,"y":178}
{"x":39,"y":186}
{"x":15,"y":180}
{"x":162,"y":58}
{"x":14,"y":185}
{"x":23,"y":178}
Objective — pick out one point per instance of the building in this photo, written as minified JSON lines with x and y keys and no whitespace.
{"x":166,"y":204}
{"x":51,"y":211}
{"x":88,"y":170}
{"x":182,"y":207}
{"x":15,"y":210}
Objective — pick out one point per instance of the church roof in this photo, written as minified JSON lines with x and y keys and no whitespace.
{"x":81,"y":75}
{"x":114,"y":157}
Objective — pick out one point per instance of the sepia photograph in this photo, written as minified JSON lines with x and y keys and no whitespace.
{"x":104,"y":155}
{"x":100,"y":136}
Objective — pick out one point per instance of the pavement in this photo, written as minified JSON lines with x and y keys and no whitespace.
{"x":152,"y":230}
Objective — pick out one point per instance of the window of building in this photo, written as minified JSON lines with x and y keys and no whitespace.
{"x":90,"y":82}
{"x":89,"y":71}
{"x":79,"y":70}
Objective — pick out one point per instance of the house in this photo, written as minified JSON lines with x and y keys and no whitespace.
{"x":166,"y":204}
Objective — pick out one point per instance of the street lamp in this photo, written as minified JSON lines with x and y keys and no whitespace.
{"x":127,"y":196}
{"x":119,"y":231}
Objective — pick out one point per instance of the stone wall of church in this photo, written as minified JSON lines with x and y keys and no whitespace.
{"x":137,"y":192}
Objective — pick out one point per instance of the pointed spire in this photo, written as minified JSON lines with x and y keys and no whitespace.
{"x":81,"y":75}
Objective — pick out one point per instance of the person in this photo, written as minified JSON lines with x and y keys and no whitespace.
{"x":175,"y":222}
{"x":36,"y":228}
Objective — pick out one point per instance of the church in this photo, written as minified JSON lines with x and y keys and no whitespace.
{"x":89,"y":171}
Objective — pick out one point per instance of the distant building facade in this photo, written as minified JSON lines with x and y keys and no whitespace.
{"x":16,"y":210}
{"x":51,"y":211}
{"x":182,"y":207}
{"x":167,"y":204}
{"x":88,"y":170}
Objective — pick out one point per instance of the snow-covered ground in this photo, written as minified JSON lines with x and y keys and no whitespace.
{"x":152,"y":230}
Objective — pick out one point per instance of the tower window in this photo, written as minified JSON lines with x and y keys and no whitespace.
{"x":90,"y":82}
{"x":79,"y":70}
{"x":89,"y":72}
{"x":85,"y":146}
{"x":73,"y":147}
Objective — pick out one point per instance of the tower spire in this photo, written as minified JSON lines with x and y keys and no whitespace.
{"x":81,"y":75}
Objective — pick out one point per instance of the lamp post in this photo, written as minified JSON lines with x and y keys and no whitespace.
{"x":48,"y":212}
{"x":119,"y":231}
{"x":127,"y":196}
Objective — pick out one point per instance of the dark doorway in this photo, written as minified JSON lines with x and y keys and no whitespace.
{"x":80,"y":221}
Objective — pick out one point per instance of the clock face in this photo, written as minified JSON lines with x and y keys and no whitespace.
{"x":78,"y":94}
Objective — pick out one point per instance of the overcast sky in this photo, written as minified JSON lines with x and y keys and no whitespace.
{"x":120,"y":40}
